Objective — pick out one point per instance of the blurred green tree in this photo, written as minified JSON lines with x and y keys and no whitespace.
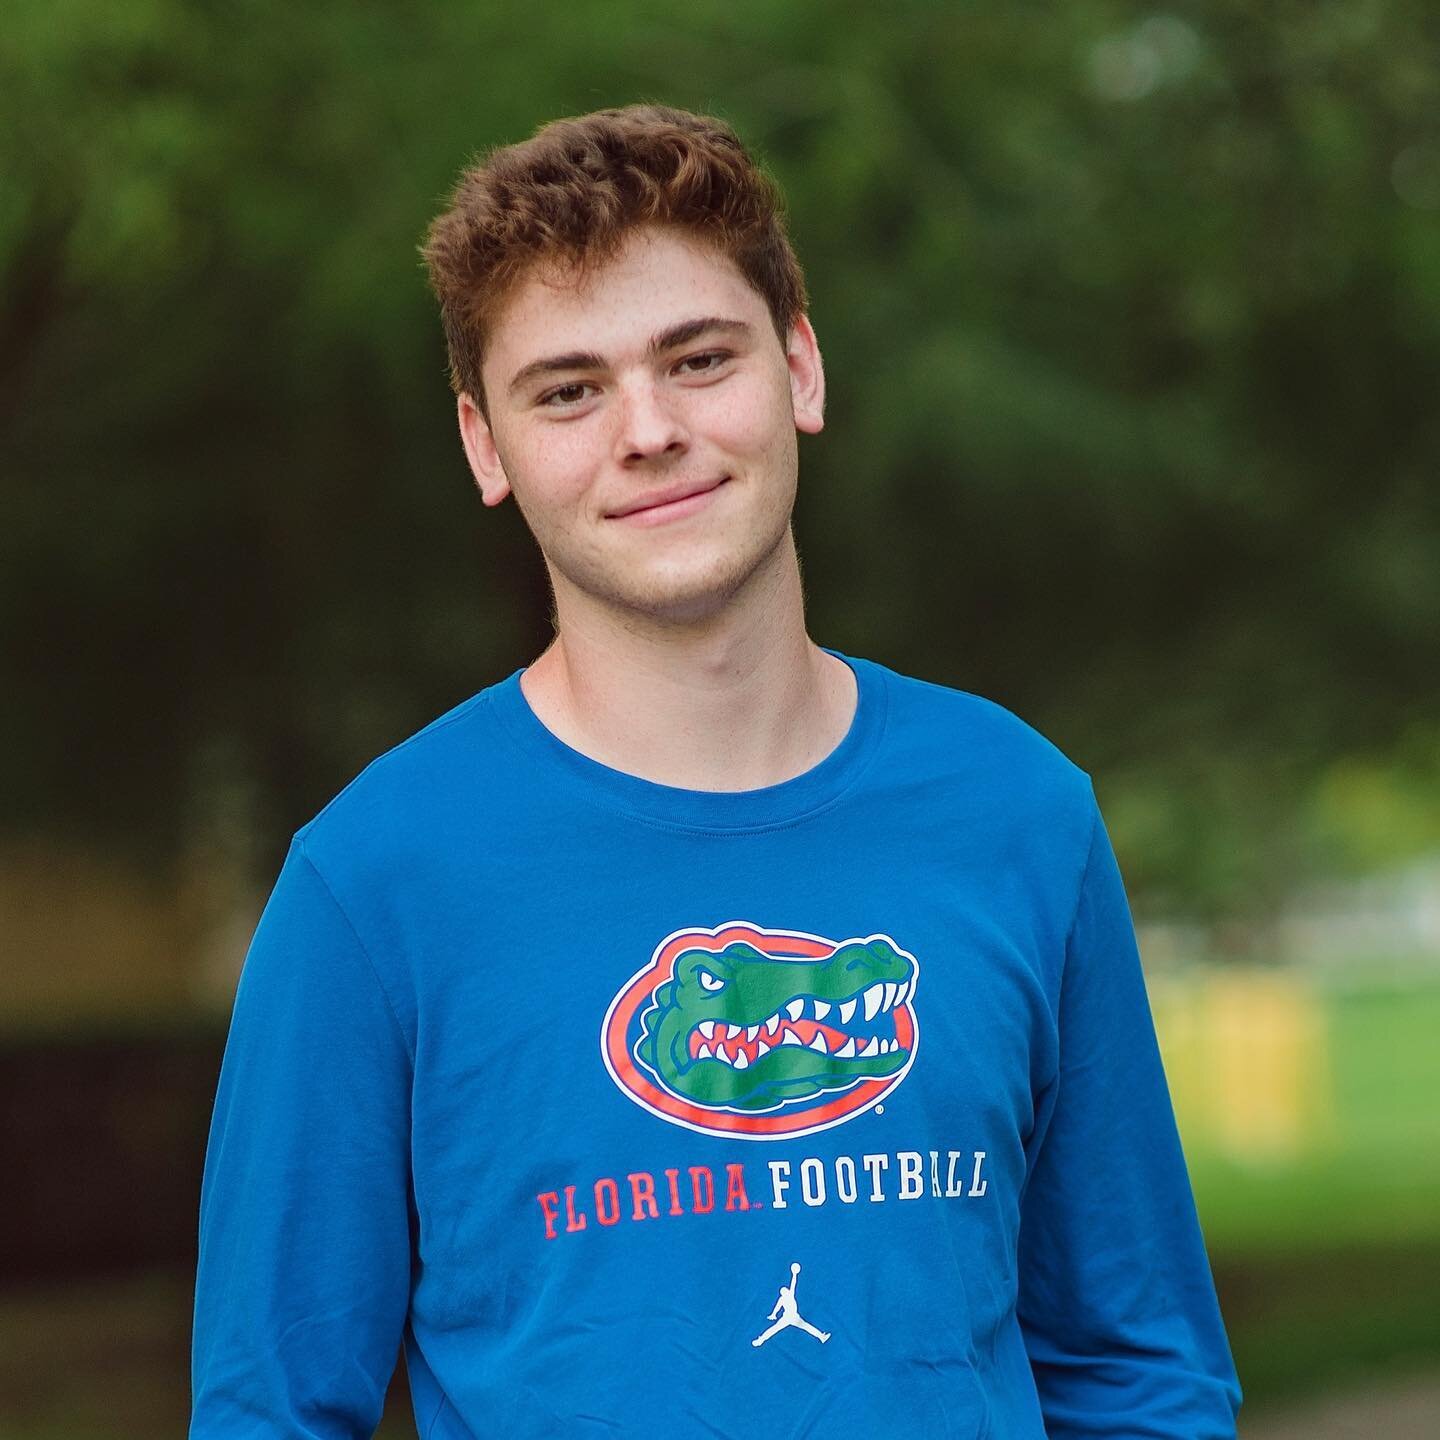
{"x":1132,"y":322}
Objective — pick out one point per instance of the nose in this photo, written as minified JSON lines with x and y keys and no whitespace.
{"x":650,"y":424}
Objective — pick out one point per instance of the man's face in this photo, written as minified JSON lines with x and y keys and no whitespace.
{"x":660,"y":376}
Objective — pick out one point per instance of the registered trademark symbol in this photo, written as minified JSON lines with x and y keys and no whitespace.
{"x":879,"y":1109}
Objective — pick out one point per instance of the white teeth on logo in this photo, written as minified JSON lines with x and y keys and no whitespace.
{"x":847,"y":1011}
{"x":873,"y":996}
{"x":707,"y":1029}
{"x":846,"y":1051}
{"x":902,"y":992}
{"x":751,"y":1031}
{"x":732,"y":1032}
{"x":890,"y":988}
{"x":795,"y":1009}
{"x":822,"y":1009}
{"x":773,"y":1023}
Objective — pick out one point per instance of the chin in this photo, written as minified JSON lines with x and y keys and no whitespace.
{"x":681,"y":603}
{"x":683,"y":595}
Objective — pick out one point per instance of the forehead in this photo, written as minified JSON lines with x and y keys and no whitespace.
{"x":659,"y":277}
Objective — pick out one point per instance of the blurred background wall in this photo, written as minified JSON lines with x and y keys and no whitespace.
{"x":1132,"y":324}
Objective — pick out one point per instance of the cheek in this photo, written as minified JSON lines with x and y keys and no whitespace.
{"x":554,"y":466}
{"x":750,"y":421}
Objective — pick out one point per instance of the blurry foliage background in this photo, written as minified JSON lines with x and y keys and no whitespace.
{"x":1131,"y":319}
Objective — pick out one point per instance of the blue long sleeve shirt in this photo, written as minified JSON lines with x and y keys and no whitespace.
{"x":832,"y":1107}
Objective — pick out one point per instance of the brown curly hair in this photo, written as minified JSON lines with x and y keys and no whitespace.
{"x":572,"y":192}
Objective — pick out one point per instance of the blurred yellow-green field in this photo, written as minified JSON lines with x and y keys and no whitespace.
{"x":1310,"y":1113}
{"x":1310,"y":1119}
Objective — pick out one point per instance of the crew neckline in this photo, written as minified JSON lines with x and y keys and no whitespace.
{"x":771,"y":805}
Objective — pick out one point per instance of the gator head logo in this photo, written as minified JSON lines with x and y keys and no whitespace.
{"x":763,"y":1034}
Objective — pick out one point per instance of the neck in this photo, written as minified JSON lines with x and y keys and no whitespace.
{"x":737,"y":700}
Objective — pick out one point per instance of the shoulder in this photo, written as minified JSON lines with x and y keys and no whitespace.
{"x":943,"y":726}
{"x":992,"y":780}
{"x":408,"y":790}
{"x":989,"y":773}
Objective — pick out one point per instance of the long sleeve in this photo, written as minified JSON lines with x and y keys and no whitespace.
{"x":1116,"y":1300}
{"x":304,"y":1269}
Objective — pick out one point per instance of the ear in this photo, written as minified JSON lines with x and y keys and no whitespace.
{"x":480,"y":451}
{"x":807,"y":377}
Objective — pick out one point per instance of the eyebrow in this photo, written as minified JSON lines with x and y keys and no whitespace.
{"x":668,"y":339}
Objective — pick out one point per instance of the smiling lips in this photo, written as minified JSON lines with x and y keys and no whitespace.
{"x":668,"y":504}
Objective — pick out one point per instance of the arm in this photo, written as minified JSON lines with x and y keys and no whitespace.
{"x":1116,"y":1301}
{"x":303,"y":1281}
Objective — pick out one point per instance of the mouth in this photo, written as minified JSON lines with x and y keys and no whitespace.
{"x":859,"y":1028}
{"x":669,"y":506}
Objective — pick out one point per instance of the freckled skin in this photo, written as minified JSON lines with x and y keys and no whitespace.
{"x":646,"y":422}
{"x":753,"y":987}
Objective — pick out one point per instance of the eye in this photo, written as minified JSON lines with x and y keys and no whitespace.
{"x":564,"y":397}
{"x":709,"y":981}
{"x":703,"y":364}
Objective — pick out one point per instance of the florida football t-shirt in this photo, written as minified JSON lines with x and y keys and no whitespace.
{"x":828,"y":1108}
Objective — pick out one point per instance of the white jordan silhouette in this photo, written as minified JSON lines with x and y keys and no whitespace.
{"x":789,"y":1315}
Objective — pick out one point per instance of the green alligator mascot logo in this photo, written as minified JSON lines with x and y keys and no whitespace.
{"x":764,"y":1033}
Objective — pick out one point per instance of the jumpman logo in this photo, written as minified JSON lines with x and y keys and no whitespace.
{"x":785,"y":1313}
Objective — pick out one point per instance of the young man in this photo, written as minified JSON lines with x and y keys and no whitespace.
{"x":693,"y":953}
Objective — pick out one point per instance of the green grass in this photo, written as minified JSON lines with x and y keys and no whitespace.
{"x":1374,"y":1178}
{"x":1328,"y":1264}
{"x":1302,"y":1323}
